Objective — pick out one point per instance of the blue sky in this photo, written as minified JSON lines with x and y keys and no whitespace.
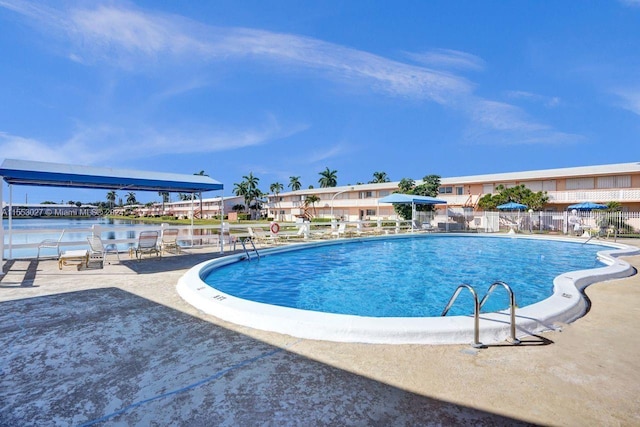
{"x":288,"y":88}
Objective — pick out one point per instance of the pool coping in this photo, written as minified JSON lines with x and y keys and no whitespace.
{"x":565,"y":305}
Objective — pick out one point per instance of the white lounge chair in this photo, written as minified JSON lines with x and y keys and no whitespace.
{"x":98,"y":250}
{"x":147,"y":244}
{"x":260,"y":236}
{"x":169,"y":240}
{"x":226,"y":238}
{"x":51,"y":244}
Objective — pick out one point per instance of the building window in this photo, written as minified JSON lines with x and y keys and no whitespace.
{"x":621,"y":181}
{"x":580,"y":184}
{"x":384,"y":193}
{"x":371,"y":212}
{"x":459,"y":191}
{"x":446,"y":190}
{"x":366,"y":194}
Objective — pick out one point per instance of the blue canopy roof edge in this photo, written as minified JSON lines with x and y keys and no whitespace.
{"x":412,"y":198}
{"x":27,"y":172}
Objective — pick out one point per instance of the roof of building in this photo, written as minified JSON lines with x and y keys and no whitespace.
{"x":580,"y":171}
{"x":26,"y":172}
{"x":542,"y":174}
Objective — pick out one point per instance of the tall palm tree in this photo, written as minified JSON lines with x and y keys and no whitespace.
{"x":240,"y":189}
{"x":131,"y":198}
{"x":165,"y":198}
{"x":379,"y":177}
{"x":253,"y":193}
{"x":111,"y":198}
{"x":294,"y":183}
{"x":329,"y":178}
{"x":276,"y":188}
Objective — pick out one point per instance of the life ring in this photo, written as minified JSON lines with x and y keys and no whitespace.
{"x":275,"y":228}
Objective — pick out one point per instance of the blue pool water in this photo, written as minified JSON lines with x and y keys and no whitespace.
{"x":410,"y":277}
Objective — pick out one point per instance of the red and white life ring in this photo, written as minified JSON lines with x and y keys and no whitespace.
{"x":275,"y":228}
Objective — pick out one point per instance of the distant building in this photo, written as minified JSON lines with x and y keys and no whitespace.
{"x":602,"y":184}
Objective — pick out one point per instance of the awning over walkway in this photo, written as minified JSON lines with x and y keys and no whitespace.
{"x":24,"y":172}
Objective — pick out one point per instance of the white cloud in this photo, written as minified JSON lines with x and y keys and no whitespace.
{"x":16,"y":147}
{"x":93,"y":145}
{"x":631,"y":3}
{"x":548,"y":101}
{"x":136,"y":40}
{"x":513,"y":125}
{"x":629,"y":99}
{"x":449,"y":59}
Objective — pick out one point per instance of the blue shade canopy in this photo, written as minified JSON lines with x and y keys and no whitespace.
{"x":512,"y":206}
{"x":24,"y":172}
{"x":411,"y":199}
{"x":587,"y":206}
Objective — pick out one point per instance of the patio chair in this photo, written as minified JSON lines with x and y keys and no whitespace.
{"x":258,"y":235}
{"x":147,"y":244}
{"x":169,"y":240}
{"x":340,"y":231}
{"x":50,"y":244}
{"x":98,"y":250}
{"x":299,"y":234}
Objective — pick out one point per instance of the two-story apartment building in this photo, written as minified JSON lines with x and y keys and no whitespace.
{"x":565,"y":186}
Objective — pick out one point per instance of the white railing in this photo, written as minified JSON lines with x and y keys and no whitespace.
{"x":23,"y":242}
{"x":619,"y":195}
{"x":594,"y":222}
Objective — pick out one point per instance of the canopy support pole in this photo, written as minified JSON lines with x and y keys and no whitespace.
{"x":1,"y":231}
{"x":10,"y":221}
{"x":193,"y":195}
{"x":413,"y":215}
{"x":222,"y":219}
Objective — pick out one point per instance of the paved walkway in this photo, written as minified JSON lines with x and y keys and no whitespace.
{"x":118,"y":346}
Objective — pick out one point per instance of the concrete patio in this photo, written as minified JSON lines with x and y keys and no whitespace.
{"x":118,"y":346}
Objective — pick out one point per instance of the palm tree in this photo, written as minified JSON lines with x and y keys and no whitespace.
{"x":312,"y":199}
{"x":165,"y":198}
{"x":329,"y":178}
{"x":131,"y":198}
{"x":252,"y":192}
{"x":379,"y":177}
{"x":294,"y":183}
{"x":276,"y":188}
{"x":240,"y":189}
{"x":111,"y":198}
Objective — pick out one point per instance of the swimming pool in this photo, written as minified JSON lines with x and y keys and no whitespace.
{"x":394,"y":302}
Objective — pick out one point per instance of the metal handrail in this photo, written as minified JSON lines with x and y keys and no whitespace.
{"x":476,"y":312}
{"x":512,"y":307}
{"x":246,"y":251}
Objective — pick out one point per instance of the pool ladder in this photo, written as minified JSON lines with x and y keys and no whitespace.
{"x":253,"y":246}
{"x":478,"y":306}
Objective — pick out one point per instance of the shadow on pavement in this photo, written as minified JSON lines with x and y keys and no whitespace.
{"x":106,"y":356}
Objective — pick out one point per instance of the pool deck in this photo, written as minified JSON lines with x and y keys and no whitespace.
{"x":118,"y":346}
